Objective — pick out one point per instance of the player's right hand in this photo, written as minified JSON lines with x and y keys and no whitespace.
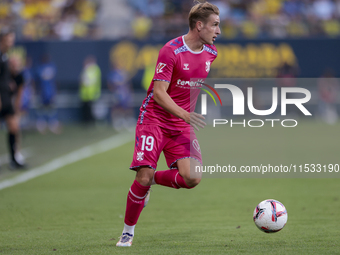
{"x":196,"y":120}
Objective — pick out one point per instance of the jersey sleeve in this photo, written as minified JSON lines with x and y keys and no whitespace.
{"x":165,"y":65}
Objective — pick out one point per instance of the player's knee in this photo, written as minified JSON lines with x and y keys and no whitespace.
{"x":13,"y":129}
{"x":192,"y":182}
{"x":145,"y":176}
{"x":12,"y":125}
{"x":191,"y":178}
{"x":144,"y":180}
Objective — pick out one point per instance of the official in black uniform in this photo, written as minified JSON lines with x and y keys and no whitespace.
{"x":7,"y":112}
{"x":17,"y":87}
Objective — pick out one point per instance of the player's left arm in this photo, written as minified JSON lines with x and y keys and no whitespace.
{"x":162,"y":97}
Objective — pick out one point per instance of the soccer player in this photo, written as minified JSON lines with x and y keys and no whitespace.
{"x":166,"y":118}
{"x":46,"y":83}
{"x":90,"y":88}
{"x":27,"y":94}
{"x":118,"y":83}
{"x":7,"y":90}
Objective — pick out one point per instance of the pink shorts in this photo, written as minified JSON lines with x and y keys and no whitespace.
{"x":152,"y":140}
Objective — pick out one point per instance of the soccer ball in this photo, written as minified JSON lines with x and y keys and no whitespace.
{"x":270,"y":216}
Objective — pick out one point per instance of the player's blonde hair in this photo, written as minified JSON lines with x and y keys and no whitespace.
{"x":201,"y":12}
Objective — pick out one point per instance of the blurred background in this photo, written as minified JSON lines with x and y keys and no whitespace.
{"x":91,"y":61}
{"x":66,"y":20}
{"x":87,"y":65}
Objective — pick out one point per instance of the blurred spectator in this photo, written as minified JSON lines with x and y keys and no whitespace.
{"x":292,"y":7}
{"x":328,"y":87}
{"x":156,"y":8}
{"x":141,"y":26}
{"x":46,"y":85}
{"x":323,"y":9}
{"x":249,"y":29}
{"x":224,"y":7}
{"x":331,"y":27}
{"x":229,"y":29}
{"x":245,"y":18}
{"x":139,"y":6}
{"x":296,"y":28}
{"x":76,"y":19}
{"x":119,"y":85}
{"x":64,"y":29}
{"x":51,"y":19}
{"x":27,"y":94}
{"x":90,"y":88}
{"x":337,"y":9}
{"x":286,"y":75}
{"x":148,"y":74}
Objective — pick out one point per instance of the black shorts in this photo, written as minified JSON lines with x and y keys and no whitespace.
{"x":6,"y":109}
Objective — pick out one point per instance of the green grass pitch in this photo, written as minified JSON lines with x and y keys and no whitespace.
{"x":79,"y":208}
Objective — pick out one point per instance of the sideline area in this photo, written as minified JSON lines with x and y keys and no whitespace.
{"x":10,"y":178}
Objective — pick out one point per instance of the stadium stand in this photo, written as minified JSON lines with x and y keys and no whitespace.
{"x":92,"y":19}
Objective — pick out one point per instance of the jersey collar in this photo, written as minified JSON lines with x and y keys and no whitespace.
{"x":194,"y":52}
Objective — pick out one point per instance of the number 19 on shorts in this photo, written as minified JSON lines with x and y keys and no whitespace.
{"x":147,"y":142}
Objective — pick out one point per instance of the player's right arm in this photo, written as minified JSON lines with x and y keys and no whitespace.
{"x":162,"y":97}
{"x":164,"y":70}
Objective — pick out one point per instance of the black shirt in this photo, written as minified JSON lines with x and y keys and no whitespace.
{"x":19,"y":82}
{"x":5,"y":76}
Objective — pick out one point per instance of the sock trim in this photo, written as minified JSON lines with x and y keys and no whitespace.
{"x":153,"y":182}
{"x":176,"y":180}
{"x":130,"y":230}
{"x":136,"y":195}
{"x":127,"y":233}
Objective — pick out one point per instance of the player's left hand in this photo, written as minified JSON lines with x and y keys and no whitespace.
{"x":196,"y":120}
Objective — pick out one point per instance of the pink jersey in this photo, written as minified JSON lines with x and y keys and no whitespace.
{"x":178,"y":65}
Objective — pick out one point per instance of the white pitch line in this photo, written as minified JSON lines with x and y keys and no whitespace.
{"x":85,"y":152}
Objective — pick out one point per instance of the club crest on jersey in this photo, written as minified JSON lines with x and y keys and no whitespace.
{"x":196,"y":145}
{"x":160,"y":67}
{"x":140,"y":156}
{"x":207,"y":66}
{"x":186,"y":67}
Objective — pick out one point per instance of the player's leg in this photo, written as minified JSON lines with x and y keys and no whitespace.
{"x":136,"y":195}
{"x":182,"y":177}
{"x":183,"y":158}
{"x":148,"y":147}
{"x":135,"y":204}
{"x":187,"y":170}
{"x":53,"y":122}
{"x":13,"y":137}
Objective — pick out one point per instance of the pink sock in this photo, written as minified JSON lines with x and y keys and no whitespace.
{"x":135,"y":203}
{"x":170,"y":178}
